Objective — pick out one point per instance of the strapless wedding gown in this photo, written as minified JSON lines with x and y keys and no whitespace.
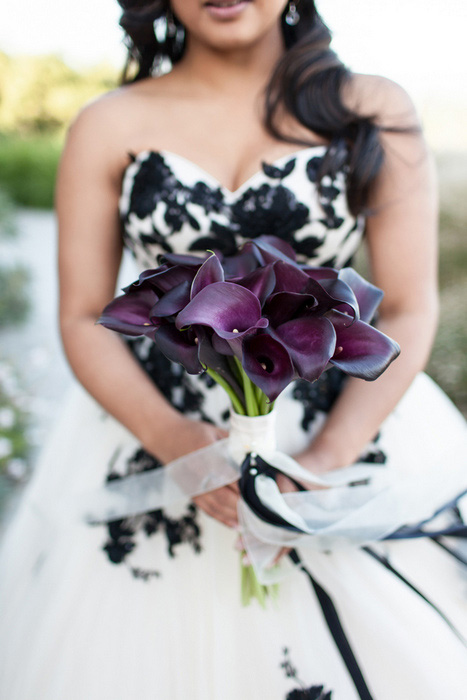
{"x":148,"y":607}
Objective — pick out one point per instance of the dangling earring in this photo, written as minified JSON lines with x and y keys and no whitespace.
{"x":171,"y":26}
{"x":292,"y":17}
{"x":165,"y":27}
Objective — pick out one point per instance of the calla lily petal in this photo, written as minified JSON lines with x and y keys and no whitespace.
{"x":227,"y":308}
{"x":284,"y":306}
{"x":210,"y":357}
{"x":341,"y":294}
{"x":311,"y":342}
{"x":145,"y":279}
{"x":320,"y":273}
{"x":131,"y":313}
{"x":171,"y":277}
{"x":220,"y":345}
{"x":183,"y":260}
{"x":242,"y":263}
{"x":289,"y":278}
{"x":210,"y":271}
{"x":270,"y":253}
{"x":268,"y":364}
{"x":361,"y":350}
{"x":368,"y":296}
{"x":179,"y":346}
{"x":173,"y":301}
{"x":265,"y":243}
{"x":261,"y":282}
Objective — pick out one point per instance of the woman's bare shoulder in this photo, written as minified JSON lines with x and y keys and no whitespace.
{"x":382,"y":99}
{"x":113,"y":113}
{"x":108,"y":125}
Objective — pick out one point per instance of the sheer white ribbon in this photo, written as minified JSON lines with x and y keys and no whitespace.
{"x":379,"y":501}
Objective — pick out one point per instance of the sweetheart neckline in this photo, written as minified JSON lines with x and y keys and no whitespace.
{"x":232,"y":193}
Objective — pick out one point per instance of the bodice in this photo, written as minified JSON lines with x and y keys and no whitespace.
{"x":170,"y":204}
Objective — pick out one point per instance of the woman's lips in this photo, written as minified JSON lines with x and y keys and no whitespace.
{"x":226,"y":10}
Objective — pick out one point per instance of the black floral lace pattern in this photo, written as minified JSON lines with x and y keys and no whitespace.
{"x":122,"y":534}
{"x":170,"y":205}
{"x":314,"y":692}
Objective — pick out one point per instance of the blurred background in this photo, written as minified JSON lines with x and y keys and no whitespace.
{"x":56,"y":56}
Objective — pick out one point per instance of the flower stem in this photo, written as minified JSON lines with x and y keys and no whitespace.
{"x":249,"y":391}
{"x":236,"y":403}
{"x":233,"y":364}
{"x":264,"y":406}
{"x":252,"y":588}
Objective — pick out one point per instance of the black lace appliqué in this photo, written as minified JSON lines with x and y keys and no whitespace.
{"x":170,"y":378}
{"x":123,"y":533}
{"x":277,"y":212}
{"x":161,"y":205}
{"x":314,"y":692}
{"x":318,"y":396}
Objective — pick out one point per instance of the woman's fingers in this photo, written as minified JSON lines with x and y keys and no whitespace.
{"x":282,"y":553}
{"x":220,"y":504}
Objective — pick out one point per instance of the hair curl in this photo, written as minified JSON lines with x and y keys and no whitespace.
{"x":308,"y":81}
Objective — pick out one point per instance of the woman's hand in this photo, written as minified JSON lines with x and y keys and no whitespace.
{"x":185,"y":436}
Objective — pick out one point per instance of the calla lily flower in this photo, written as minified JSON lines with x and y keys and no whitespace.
{"x":310,"y":342}
{"x":145,"y":279}
{"x":229,"y":309}
{"x":164,"y":278}
{"x":289,"y":278}
{"x":320,"y":273}
{"x":179,"y":346}
{"x":337,"y":294}
{"x":210,"y":271}
{"x":132,"y":313}
{"x":256,"y":319}
{"x":242,"y":263}
{"x":284,"y":306}
{"x":368,"y":296}
{"x":210,"y":358}
{"x":268,"y":364}
{"x":272,"y":249}
{"x":261,"y":282}
{"x":174,"y":259}
{"x":361,"y":350}
{"x":173,"y":301}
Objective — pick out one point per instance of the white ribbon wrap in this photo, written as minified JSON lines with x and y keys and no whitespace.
{"x":379,"y":502}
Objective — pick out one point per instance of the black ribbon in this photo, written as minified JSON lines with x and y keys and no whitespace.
{"x":387,"y":564}
{"x":335,"y":627}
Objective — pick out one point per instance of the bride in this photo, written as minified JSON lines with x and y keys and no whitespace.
{"x":236,"y":119}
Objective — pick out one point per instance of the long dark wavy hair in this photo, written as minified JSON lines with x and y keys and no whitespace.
{"x":308,"y":81}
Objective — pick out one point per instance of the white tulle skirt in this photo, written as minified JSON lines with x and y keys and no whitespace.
{"x":154,"y":612}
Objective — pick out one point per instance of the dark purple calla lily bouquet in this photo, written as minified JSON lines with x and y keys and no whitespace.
{"x":255,"y":321}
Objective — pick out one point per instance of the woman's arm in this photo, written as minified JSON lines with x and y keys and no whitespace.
{"x":90,"y":251}
{"x":402,"y":247}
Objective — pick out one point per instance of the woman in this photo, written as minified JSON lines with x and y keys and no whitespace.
{"x":257,"y":128}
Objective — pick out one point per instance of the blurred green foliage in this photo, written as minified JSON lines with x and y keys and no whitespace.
{"x":14,"y":300}
{"x":42,"y":94}
{"x":14,"y":424}
{"x":28,"y":168}
{"x":448,"y":363}
{"x":39,"y":96}
{"x":14,"y":279}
